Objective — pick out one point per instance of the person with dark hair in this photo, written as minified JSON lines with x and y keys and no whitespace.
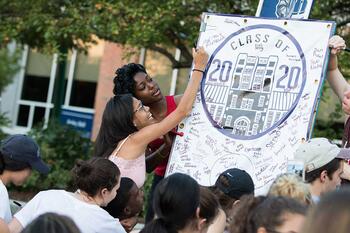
{"x":134,"y":79}
{"x":177,"y":205}
{"x":127,"y":205}
{"x":267,"y":215}
{"x":215,"y":220}
{"x":322,"y":164}
{"x":331,"y":214}
{"x":51,"y":223}
{"x":128,"y":126}
{"x":19,"y":154}
{"x":229,"y":187}
{"x":97,"y":180}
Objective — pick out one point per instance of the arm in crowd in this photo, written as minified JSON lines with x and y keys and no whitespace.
{"x":335,"y":78}
{"x":151,"y":132}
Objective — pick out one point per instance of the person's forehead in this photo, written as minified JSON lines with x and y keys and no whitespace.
{"x":140,"y":77}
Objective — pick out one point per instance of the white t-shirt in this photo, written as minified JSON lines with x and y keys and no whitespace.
{"x":5,"y":211}
{"x":89,"y":218}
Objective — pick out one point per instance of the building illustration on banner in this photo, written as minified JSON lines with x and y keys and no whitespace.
{"x":249,"y":97}
{"x":252,"y":105}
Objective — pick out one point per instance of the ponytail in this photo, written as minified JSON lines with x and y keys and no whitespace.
{"x":174,"y":209}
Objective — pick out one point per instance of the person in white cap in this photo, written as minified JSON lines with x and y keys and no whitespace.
{"x":322,"y":164}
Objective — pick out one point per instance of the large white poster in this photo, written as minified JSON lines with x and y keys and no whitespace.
{"x":257,"y":99}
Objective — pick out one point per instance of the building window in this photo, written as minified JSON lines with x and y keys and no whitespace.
{"x":86,"y":72}
{"x":261,"y":101}
{"x":233,"y":101}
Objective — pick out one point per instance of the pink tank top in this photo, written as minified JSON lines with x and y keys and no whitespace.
{"x":134,"y":169}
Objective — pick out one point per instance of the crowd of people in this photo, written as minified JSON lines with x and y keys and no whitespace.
{"x":135,"y":137}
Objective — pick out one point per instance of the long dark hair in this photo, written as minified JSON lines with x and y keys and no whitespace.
{"x":117,"y":124}
{"x":209,"y":205}
{"x":95,"y":174}
{"x":254,"y":212}
{"x":175,"y":203}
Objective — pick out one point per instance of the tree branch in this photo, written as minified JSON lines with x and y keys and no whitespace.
{"x":175,"y":64}
{"x":178,"y":44}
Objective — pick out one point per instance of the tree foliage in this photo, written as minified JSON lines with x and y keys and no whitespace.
{"x":50,"y":25}
{"x":8,"y":66}
{"x":53,"y":24}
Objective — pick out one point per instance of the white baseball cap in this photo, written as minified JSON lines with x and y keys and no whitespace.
{"x":317,"y":152}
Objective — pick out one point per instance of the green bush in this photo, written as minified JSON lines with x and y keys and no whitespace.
{"x":60,"y":147}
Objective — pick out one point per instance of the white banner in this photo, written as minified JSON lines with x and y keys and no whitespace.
{"x":257,"y":100}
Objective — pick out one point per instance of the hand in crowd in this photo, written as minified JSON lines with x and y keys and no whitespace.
{"x":337,"y":44}
{"x":346,"y":103}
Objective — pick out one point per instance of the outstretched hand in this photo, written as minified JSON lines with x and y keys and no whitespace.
{"x":336,"y":44}
{"x":200,"y":58}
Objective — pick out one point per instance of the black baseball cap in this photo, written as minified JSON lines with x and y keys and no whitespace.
{"x":22,"y":148}
{"x":239,"y":183}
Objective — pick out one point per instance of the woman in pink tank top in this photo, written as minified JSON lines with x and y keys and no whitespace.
{"x":128,"y":126}
{"x":132,"y":79}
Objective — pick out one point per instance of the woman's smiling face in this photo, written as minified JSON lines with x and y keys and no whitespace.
{"x":142,"y":115}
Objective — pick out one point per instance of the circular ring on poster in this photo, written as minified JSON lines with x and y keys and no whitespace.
{"x":253,"y":81}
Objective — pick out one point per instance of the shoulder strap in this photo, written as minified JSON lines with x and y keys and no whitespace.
{"x":120,"y":145}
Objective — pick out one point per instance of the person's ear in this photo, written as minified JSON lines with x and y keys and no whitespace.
{"x":261,"y":230}
{"x":323,"y":176}
{"x":104,"y":191}
{"x":201,"y":221}
{"x":235,"y":203}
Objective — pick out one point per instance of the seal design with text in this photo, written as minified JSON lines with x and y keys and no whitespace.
{"x":253,"y":81}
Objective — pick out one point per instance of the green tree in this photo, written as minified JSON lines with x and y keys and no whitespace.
{"x":8,"y":66}
{"x":53,"y":25}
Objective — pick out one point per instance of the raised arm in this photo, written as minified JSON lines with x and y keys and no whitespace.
{"x":151,"y":132}
{"x":335,"y":78}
